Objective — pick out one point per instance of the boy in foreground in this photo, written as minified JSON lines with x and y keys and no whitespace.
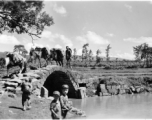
{"x":66,"y":105}
{"x":55,"y":106}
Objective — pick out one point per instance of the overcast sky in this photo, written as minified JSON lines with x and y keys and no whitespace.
{"x":118,"y":23}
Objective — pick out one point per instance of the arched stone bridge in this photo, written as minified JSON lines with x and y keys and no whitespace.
{"x":53,"y":77}
{"x":50,"y":78}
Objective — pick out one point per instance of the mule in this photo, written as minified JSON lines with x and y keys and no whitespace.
{"x":39,"y":53}
{"x":57,"y":55}
{"x":12,"y":60}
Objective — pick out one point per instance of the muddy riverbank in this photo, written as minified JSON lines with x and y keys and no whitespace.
{"x":115,"y":85}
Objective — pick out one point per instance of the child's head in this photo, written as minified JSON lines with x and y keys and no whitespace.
{"x":65,"y":89}
{"x":56,"y":95}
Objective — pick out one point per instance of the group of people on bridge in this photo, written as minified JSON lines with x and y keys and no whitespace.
{"x":15,"y":59}
{"x":50,"y":55}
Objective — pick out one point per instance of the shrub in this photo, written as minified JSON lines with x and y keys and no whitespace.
{"x":99,"y":65}
{"x":132,"y":66}
{"x":107,"y":67}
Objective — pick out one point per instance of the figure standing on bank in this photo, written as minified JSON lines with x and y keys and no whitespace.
{"x":26,"y":88}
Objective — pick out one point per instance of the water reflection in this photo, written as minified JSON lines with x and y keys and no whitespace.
{"x":120,"y":106}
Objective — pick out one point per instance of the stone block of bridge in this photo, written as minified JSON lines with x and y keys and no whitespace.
{"x":11,"y":84}
{"x":39,"y":73}
{"x":44,"y":92}
{"x":104,"y":91}
{"x":37,"y":92}
{"x":32,"y":75}
{"x":10,"y":89}
{"x":82,"y":92}
{"x":45,"y":74}
{"x":36,"y":84}
{"x":16,"y":80}
{"x":24,"y":78}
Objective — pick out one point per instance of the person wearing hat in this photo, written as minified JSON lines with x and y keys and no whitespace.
{"x":55,"y":106}
{"x":66,"y":105}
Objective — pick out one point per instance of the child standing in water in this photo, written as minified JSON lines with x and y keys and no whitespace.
{"x":55,"y":106}
{"x":66,"y":105}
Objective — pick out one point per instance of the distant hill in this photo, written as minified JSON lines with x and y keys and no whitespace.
{"x":104,"y":58}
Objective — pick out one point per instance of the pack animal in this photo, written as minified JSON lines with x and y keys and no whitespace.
{"x":12,"y":60}
{"x":57,"y":55}
{"x":38,"y":53}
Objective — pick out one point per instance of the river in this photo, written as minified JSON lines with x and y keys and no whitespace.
{"x":137,"y":106}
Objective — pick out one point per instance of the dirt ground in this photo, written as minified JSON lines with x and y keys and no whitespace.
{"x":11,"y":108}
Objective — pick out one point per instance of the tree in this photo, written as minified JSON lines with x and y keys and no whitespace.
{"x":98,"y":52}
{"x":24,"y":17}
{"x":85,"y":51}
{"x":75,"y":54}
{"x":98,"y":58}
{"x":137,"y":51}
{"x":107,"y":52}
{"x":90,"y":55}
{"x":143,"y":52}
{"x":149,"y":56}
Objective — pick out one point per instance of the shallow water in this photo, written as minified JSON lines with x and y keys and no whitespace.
{"x":137,"y":106}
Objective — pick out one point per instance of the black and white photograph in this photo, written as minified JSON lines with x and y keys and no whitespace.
{"x":75,"y":59}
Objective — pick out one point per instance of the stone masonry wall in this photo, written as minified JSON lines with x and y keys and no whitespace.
{"x":39,"y":77}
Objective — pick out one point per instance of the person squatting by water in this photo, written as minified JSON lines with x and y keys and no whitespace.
{"x":66,"y":105}
{"x":55,"y":106}
{"x":26,"y":88}
{"x":68,"y":54}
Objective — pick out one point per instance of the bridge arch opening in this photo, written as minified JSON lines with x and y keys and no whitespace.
{"x":55,"y":81}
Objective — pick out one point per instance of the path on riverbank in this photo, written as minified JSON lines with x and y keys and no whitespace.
{"x":11,"y":108}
